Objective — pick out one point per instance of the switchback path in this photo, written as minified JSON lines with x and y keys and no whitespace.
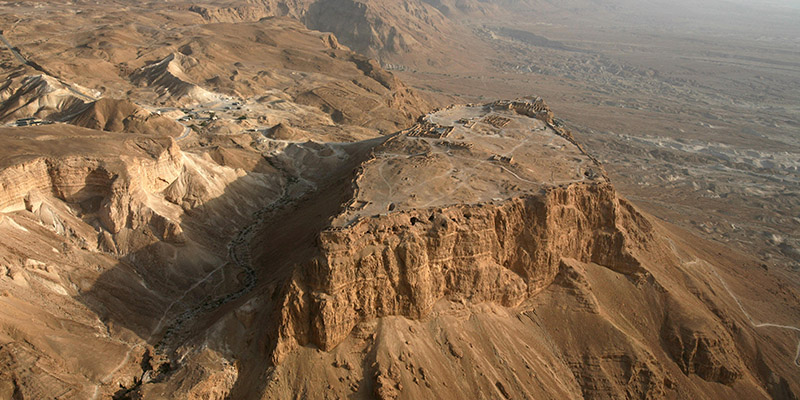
{"x":750,"y":319}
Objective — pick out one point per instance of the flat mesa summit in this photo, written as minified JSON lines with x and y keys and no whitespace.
{"x":479,"y":252}
{"x":482,"y":250}
{"x":476,"y":201}
{"x":261,"y":200}
{"x":468,"y":154}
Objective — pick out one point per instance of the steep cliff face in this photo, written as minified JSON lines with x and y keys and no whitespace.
{"x":485,"y":246}
{"x":110,"y":231}
{"x":105,"y":185}
{"x":381,"y":29}
{"x":502,"y":249}
{"x":370,"y":28}
{"x":115,"y":190}
{"x":227,"y":11}
{"x":403,"y":263}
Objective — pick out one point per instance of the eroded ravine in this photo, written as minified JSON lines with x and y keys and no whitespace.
{"x":354,"y":249}
{"x":238,"y":255}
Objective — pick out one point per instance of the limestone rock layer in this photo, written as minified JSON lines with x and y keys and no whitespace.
{"x":403,"y":263}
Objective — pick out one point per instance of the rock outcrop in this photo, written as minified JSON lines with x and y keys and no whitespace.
{"x":403,"y":263}
{"x":168,"y":79}
{"x":250,"y":12}
{"x":369,"y":27}
{"x":502,"y":251}
{"x":115,"y":190}
{"x":395,"y":273}
{"x":115,"y":115}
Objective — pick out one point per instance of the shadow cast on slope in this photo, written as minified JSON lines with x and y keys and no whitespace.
{"x":285,"y":241}
{"x":168,"y":293}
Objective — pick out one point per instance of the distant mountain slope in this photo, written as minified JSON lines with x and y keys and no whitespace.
{"x":254,"y":210}
{"x":124,"y":116}
{"x":217,"y":62}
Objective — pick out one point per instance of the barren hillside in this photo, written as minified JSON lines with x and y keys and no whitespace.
{"x":244,"y":200}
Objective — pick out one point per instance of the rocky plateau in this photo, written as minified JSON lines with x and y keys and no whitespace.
{"x":244,"y":200}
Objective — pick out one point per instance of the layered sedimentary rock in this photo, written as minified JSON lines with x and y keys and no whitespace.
{"x":502,"y":250}
{"x":102,"y":230}
{"x":115,"y":190}
{"x":485,"y":246}
{"x":403,"y":263}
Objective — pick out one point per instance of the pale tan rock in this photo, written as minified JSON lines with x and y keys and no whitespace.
{"x":502,"y":253}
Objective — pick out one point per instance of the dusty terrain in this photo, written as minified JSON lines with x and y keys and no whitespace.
{"x":225,"y":200}
{"x":696,"y":106}
{"x":490,"y":153}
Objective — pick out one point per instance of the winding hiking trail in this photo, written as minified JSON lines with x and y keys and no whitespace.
{"x":311,"y":218}
{"x":239,"y":255}
{"x":750,"y":318}
{"x":733,"y":295}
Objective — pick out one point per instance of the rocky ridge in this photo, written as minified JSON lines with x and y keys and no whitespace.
{"x":465,"y":249}
{"x":551,"y":256}
{"x":504,"y":251}
{"x":403,"y":263}
{"x":118,"y":190}
{"x":103,"y":226}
